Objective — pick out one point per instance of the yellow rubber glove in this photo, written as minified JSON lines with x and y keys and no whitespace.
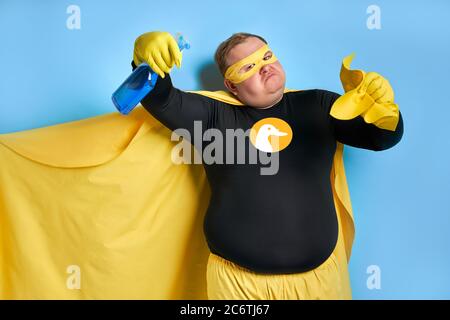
{"x":368,"y":95}
{"x":159,"y":50}
{"x":378,"y":88}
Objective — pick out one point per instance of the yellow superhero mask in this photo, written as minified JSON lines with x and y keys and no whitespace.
{"x":245,"y":68}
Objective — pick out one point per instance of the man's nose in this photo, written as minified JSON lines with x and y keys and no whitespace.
{"x":264,"y":69}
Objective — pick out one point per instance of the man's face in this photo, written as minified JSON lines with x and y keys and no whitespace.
{"x":265,"y":87}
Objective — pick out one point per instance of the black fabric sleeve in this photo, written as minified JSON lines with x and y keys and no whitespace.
{"x":356,"y":132}
{"x":178,"y":109}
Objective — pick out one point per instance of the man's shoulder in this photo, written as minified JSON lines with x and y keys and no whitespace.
{"x":317,"y":94}
{"x":219,"y":97}
{"x":315,"y":91}
{"x":301,"y":94}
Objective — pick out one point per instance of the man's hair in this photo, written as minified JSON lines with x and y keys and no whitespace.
{"x":225,"y":47}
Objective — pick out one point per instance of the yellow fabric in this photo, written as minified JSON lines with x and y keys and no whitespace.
{"x":159,"y":49}
{"x":102,"y":194}
{"x":357,"y":101}
{"x":236,"y":73}
{"x":228,"y":281}
{"x":99,"y":194}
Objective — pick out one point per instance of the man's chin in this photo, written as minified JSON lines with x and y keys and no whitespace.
{"x":274,"y":86}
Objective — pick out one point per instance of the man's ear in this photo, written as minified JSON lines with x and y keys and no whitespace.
{"x":230,"y":86}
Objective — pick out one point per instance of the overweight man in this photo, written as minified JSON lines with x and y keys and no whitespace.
{"x":271,"y":233}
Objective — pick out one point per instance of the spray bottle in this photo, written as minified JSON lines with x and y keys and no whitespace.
{"x":139,"y":83}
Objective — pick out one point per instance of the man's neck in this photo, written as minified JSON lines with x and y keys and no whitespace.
{"x":273,"y":103}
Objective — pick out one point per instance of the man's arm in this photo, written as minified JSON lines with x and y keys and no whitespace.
{"x":177,"y":109}
{"x":356,"y":132}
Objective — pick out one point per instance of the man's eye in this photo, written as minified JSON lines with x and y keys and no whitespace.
{"x":268,"y":57}
{"x":250,"y":66}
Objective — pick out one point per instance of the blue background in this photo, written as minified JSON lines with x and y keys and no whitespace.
{"x":50,"y":75}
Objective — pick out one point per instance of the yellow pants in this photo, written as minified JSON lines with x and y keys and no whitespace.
{"x":229,"y":281}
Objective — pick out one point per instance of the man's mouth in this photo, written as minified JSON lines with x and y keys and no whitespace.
{"x":268,"y":76}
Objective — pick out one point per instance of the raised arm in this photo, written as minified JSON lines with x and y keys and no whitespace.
{"x":172,"y":107}
{"x":356,"y":132}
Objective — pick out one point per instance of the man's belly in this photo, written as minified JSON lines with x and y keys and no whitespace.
{"x":283,"y":224}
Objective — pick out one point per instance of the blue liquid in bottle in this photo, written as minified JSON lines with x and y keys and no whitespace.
{"x":138,"y":84}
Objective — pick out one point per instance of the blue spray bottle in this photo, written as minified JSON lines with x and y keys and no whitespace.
{"x":139,"y":83}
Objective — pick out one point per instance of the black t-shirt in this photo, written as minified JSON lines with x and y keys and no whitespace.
{"x":277,"y":223}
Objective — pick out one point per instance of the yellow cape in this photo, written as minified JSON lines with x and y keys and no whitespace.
{"x":99,"y":204}
{"x":95,"y":209}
